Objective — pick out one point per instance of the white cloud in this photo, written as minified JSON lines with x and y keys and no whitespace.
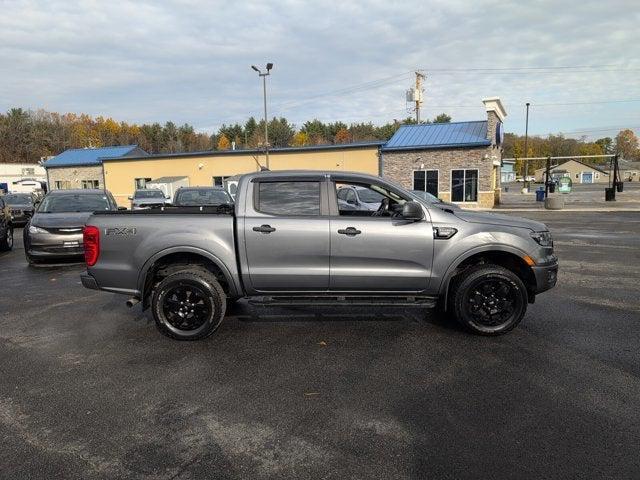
{"x":188,"y":61}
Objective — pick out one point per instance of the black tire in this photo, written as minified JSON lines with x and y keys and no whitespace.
{"x":6,"y":243}
{"x":188,"y":304}
{"x":488,"y":300}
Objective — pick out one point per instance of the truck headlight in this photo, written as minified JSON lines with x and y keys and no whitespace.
{"x":34,"y":229}
{"x":543,"y":239}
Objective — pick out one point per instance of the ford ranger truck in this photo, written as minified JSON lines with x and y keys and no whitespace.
{"x":288,"y":241}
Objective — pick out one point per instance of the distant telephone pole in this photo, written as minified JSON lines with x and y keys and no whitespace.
{"x":417,"y":96}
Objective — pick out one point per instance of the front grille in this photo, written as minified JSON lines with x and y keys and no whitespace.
{"x":16,"y":212}
{"x":64,"y":230}
{"x":59,"y":250}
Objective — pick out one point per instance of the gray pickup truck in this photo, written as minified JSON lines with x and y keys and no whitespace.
{"x":286,"y":241}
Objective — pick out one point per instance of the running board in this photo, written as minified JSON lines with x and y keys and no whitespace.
{"x":350,"y":300}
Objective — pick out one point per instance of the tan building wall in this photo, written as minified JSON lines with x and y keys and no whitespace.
{"x":120,"y":174}
{"x":72,"y":177}
{"x":574,"y":170}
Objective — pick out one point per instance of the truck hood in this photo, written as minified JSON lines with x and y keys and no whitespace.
{"x":149,"y":201}
{"x":497,"y":219}
{"x":60,"y":220}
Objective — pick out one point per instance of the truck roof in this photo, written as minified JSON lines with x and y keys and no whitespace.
{"x":289,"y":174}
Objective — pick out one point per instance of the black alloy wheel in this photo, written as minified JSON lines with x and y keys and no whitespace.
{"x":188,"y":304}
{"x":489,"y":299}
{"x":492,"y":302}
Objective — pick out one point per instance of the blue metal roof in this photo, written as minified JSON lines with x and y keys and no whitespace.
{"x":87,"y":156}
{"x":439,"y":135}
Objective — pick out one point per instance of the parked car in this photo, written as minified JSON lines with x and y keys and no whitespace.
{"x":6,"y":226}
{"x":433,"y":200}
{"x":358,"y":198}
{"x":287,"y":241}
{"x":22,"y":206}
{"x":201,"y":196}
{"x":55,"y":230}
{"x":148,"y":198}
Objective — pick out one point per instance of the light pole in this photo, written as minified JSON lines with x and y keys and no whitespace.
{"x":526,"y":153}
{"x":264,"y":94}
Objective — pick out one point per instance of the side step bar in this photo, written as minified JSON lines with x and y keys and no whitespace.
{"x":346,"y":300}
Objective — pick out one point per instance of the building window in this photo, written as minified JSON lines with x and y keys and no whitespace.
{"x":28,"y":171}
{"x":90,"y":184}
{"x":289,"y":198}
{"x":464,"y":185}
{"x":63,"y":184}
{"x":426,"y":181}
{"x":141,"y":183}
{"x":219,"y":181}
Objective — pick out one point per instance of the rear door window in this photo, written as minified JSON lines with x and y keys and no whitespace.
{"x":288,"y":198}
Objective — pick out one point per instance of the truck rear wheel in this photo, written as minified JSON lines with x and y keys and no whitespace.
{"x":188,"y":304}
{"x":489,"y":300}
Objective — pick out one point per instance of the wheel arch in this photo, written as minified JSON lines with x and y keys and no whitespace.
{"x":505,"y":256}
{"x":187,"y":256}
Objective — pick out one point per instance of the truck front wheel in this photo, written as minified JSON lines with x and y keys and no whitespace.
{"x":489,"y":299}
{"x":188,"y":304}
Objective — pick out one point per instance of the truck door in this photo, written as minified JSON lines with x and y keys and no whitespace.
{"x":286,"y":234}
{"x":378,"y":253}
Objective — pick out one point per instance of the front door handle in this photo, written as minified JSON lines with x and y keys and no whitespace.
{"x":264,"y":229}
{"x":350,"y":231}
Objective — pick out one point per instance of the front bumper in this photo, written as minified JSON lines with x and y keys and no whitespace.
{"x":50,"y":245}
{"x":546,"y":276}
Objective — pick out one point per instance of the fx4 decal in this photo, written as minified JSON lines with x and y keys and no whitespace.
{"x":120,"y":231}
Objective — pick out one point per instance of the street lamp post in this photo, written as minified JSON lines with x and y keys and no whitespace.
{"x":264,"y":94}
{"x":526,"y":153}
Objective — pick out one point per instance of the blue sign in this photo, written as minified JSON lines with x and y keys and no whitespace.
{"x":499,"y":134}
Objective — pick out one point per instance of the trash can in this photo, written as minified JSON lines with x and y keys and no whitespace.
{"x":540,"y":195}
{"x":609,"y":194}
{"x":620,"y":186}
{"x":552,"y":187}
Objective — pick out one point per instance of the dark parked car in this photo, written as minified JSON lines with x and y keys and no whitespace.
{"x":55,"y":230}
{"x":202,"y":196}
{"x":433,"y":200}
{"x":22,"y":206}
{"x":6,"y":227}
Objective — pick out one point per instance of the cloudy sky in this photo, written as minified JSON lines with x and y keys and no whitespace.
{"x":577,"y":62}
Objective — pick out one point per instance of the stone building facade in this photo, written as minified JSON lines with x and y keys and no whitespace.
{"x":82,"y":167}
{"x":75,"y":177}
{"x":463,"y":159}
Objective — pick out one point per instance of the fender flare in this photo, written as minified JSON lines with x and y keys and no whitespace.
{"x":443,"y":291}
{"x":144,"y":271}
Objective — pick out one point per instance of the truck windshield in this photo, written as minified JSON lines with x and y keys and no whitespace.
{"x":17,"y":199}
{"x":202,"y":197}
{"x":74,"y":203}
{"x":149,"y":194}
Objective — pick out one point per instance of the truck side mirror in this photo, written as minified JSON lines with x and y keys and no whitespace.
{"x":412,"y":211}
{"x":130,"y":198}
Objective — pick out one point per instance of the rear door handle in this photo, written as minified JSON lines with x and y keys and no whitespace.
{"x":349,"y":231}
{"x":264,"y":229}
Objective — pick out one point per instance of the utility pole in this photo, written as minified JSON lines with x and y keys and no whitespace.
{"x":264,"y":94}
{"x":526,"y":152}
{"x":417,"y":94}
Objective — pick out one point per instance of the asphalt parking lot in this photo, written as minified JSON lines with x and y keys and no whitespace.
{"x":89,"y":389}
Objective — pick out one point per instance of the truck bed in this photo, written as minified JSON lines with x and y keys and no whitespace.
{"x":131,"y":241}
